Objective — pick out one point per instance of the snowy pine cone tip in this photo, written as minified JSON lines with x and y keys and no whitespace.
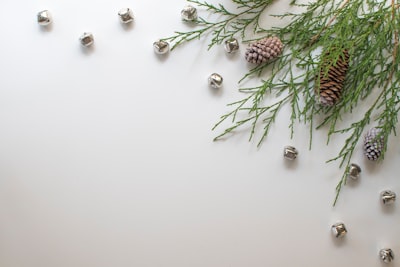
{"x":264,"y":50}
{"x":373,"y":145}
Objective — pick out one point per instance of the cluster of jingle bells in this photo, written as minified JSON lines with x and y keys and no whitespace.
{"x":161,"y":47}
{"x":260,"y":52}
{"x":339,"y":230}
{"x":44,"y":18}
{"x":189,"y":14}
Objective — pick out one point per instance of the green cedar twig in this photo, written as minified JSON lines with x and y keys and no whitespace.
{"x":229,"y":24}
{"x":367,"y":29}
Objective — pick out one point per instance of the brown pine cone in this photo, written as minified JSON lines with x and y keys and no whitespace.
{"x":331,"y":83}
{"x":264,"y":50}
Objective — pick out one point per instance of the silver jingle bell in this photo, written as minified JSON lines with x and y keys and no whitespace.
{"x":388,"y":197}
{"x":44,"y":18}
{"x":189,"y":13}
{"x":125,"y":15}
{"x":215,"y":80}
{"x":231,"y":45}
{"x":339,"y":230}
{"x":354,"y":171}
{"x":161,"y":47}
{"x":86,"y":39}
{"x":386,"y":255}
{"x":290,"y":153}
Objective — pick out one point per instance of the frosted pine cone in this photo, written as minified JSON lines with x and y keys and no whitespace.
{"x":373,"y":146}
{"x":331,"y":83}
{"x":264,"y":50}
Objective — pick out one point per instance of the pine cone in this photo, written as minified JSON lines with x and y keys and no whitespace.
{"x":264,"y":50}
{"x":373,"y":146}
{"x":331,"y":83}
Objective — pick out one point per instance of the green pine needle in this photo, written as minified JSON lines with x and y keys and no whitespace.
{"x":367,"y":29}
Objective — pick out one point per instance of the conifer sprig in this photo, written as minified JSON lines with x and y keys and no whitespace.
{"x":226,"y":25}
{"x":314,"y":41}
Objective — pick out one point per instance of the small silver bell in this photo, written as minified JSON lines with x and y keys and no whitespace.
{"x":386,"y":255}
{"x":161,"y":47}
{"x":231,"y":45}
{"x":215,"y":80}
{"x":125,"y":15}
{"x":290,"y":153}
{"x":86,"y":39}
{"x":354,"y":171}
{"x":339,"y":230}
{"x":388,"y":197}
{"x":44,"y":18}
{"x":189,"y":13}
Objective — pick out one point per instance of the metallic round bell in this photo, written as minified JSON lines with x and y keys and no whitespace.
{"x":354,"y":171}
{"x":231,"y":45}
{"x":189,"y":13}
{"x":386,"y":255}
{"x":161,"y":47}
{"x":44,"y":18}
{"x":388,"y":197}
{"x":86,"y":39}
{"x":215,"y":80}
{"x":125,"y":15}
{"x":290,"y":153}
{"x":339,"y":230}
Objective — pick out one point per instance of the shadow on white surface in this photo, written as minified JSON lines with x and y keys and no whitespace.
{"x":218,"y":92}
{"x":339,"y":242}
{"x":372,"y":166}
{"x":162,"y":57}
{"x":88,"y":50}
{"x":128,"y":26}
{"x":388,"y":209}
{"x":233,"y":56}
{"x":47,"y":28}
{"x":354,"y":183}
{"x":291,"y":164}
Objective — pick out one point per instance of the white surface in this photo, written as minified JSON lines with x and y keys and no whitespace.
{"x":107,"y":159}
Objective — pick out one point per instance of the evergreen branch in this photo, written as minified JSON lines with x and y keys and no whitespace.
{"x":315,"y":37}
{"x":228,"y":25}
{"x":367,"y":30}
{"x":388,"y":99}
{"x":367,"y":37}
{"x":387,"y":121}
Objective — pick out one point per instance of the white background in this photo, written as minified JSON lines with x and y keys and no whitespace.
{"x":107,"y":159}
